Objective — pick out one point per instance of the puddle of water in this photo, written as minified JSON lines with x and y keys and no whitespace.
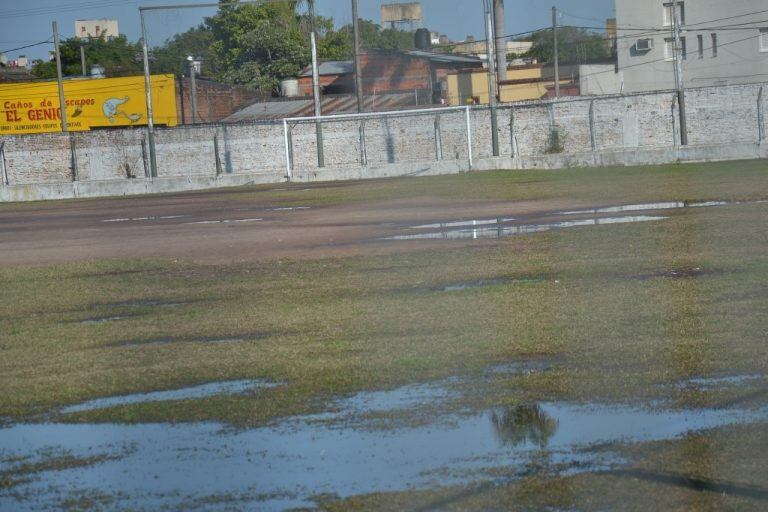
{"x":482,"y":283}
{"x":669,"y":205}
{"x":709,"y":383}
{"x":678,"y":273}
{"x":225,"y":221}
{"x":141,"y":304}
{"x":300,"y":458}
{"x":139,"y":219}
{"x":289,"y":208}
{"x":170,"y":341}
{"x":501,"y":230}
{"x":103,"y":320}
{"x":236,"y":387}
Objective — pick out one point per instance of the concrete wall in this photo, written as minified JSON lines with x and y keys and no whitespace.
{"x":723,"y":123}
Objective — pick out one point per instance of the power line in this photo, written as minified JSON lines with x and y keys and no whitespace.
{"x":27,"y":46}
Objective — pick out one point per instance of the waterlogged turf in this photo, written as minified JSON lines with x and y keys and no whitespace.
{"x":594,"y":364}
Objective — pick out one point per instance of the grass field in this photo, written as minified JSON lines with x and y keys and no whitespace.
{"x":620,"y":314}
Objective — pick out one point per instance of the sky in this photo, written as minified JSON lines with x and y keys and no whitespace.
{"x":28,"y":22}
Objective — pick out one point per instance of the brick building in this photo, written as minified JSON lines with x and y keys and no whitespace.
{"x":215,"y":101}
{"x":389,"y":71}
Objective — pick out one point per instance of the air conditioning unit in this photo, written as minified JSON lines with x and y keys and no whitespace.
{"x":644,"y":45}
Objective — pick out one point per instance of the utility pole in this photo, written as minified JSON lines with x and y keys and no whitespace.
{"x":358,"y":71}
{"x":318,"y":109}
{"x":62,"y":100}
{"x":148,"y":90}
{"x":193,"y":86}
{"x":677,"y":29}
{"x":82,"y":60}
{"x":501,"y":39}
{"x":492,"y":89}
{"x":557,"y":61}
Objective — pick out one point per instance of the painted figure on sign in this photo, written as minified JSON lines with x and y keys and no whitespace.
{"x":111,"y":110}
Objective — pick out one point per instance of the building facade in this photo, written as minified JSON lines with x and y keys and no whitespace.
{"x":723,"y":43}
{"x":102,"y":28}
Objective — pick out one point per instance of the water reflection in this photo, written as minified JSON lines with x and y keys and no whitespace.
{"x":521,"y":424}
{"x":483,"y":229}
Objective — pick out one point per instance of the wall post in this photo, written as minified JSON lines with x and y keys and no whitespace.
{"x":3,"y":167}
{"x":216,"y":153}
{"x":145,"y":159}
{"x":592,"y":125}
{"x":438,"y":138}
{"x":512,"y":134}
{"x":287,"y":141}
{"x":363,"y":150}
{"x":73,"y":157}
{"x":760,"y":117}
{"x":469,"y":136}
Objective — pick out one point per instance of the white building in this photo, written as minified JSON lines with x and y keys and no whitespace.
{"x":102,"y":28}
{"x":723,"y":42}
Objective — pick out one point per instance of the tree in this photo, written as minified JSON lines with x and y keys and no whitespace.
{"x":171,"y":57}
{"x":575,"y":45}
{"x":339,"y":45}
{"x":258,"y":45}
{"x":118,"y":57}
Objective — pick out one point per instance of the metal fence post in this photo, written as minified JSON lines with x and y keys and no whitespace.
{"x":469,"y":137}
{"x":73,"y":157}
{"x":760,"y":117}
{"x":592,"y":125}
{"x":438,"y":138}
{"x":216,"y":152}
{"x":288,"y":165}
{"x":3,"y":168}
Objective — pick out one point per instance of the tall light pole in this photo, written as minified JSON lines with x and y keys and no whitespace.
{"x":148,"y":91}
{"x":501,"y":39}
{"x":316,"y":96}
{"x":557,"y":59}
{"x":358,"y":70}
{"x":193,"y":64}
{"x":492,"y":88}
{"x":62,"y":99}
{"x":680,"y":83}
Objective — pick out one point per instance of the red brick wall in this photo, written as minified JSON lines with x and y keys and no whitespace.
{"x":215,"y":101}
{"x":394,"y":72}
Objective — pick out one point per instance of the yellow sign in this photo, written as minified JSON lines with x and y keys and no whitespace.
{"x":33,"y":107}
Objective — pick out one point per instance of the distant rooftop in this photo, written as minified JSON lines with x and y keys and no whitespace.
{"x":333,"y":67}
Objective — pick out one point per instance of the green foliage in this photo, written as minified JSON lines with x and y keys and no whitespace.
{"x":172,"y":56}
{"x":574,"y":45}
{"x":339,"y":45}
{"x":118,"y":56}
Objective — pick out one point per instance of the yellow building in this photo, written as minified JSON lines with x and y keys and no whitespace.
{"x":523,"y":83}
{"x":33,"y":107}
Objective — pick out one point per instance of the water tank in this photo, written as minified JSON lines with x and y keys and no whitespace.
{"x":423,"y":39}
{"x":97,"y":71}
{"x":289,"y":88}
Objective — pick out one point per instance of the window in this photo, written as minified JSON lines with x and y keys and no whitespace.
{"x":669,"y":48}
{"x":701,"y":46}
{"x":714,"y":45}
{"x":669,"y":19}
{"x":82,"y":29}
{"x":97,"y":30}
{"x":763,"y":39}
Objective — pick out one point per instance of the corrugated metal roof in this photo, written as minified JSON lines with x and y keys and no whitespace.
{"x":333,"y":67}
{"x":342,"y":104}
{"x":444,"y":57}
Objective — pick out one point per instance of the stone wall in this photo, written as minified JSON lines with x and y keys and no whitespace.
{"x":570,"y":126}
